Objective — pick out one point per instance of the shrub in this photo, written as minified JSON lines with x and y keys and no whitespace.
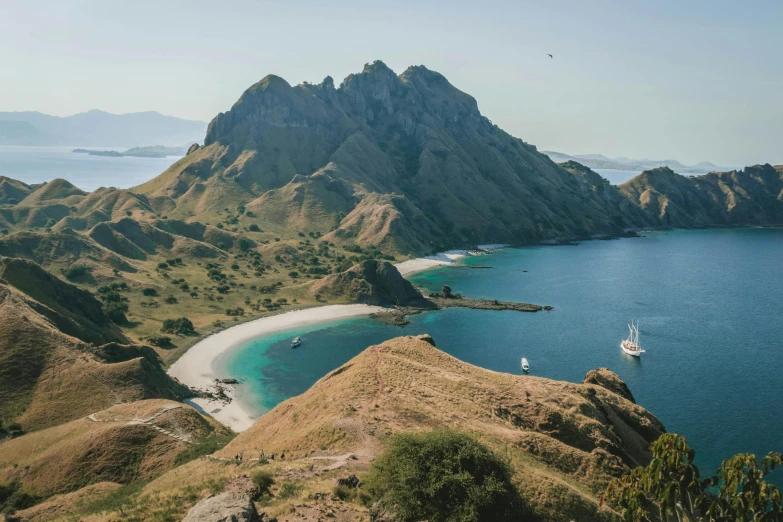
{"x":170,"y":300}
{"x":75,"y":272}
{"x":254,"y":228}
{"x":161,"y":341}
{"x":293,"y":273}
{"x":163,"y":266}
{"x":289,"y":488}
{"x":263,"y":481}
{"x":444,"y":476}
{"x":116,"y":312}
{"x":181,"y":326}
{"x":245,"y":244}
{"x":13,"y":498}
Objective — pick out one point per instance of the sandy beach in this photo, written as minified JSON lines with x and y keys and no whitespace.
{"x":413,"y":266}
{"x":196,"y":367}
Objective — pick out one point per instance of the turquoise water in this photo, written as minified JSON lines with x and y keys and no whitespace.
{"x":39,"y":164}
{"x":708,"y":303}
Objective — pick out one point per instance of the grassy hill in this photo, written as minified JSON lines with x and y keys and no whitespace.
{"x":61,"y":356}
{"x":120,"y":445}
{"x":563,"y":441}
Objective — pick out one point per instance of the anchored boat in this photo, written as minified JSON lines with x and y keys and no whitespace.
{"x":631,"y":345}
{"x":525,"y":365}
{"x":296,"y":342}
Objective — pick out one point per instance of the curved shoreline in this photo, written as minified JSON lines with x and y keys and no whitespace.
{"x":196,"y":368}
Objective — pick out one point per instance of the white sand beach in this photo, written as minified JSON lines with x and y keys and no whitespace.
{"x":413,"y":266}
{"x":196,"y":367}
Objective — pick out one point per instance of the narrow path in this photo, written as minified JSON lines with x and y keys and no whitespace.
{"x":148,"y":422}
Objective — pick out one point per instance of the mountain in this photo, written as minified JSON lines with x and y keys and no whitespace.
{"x":20,"y":133}
{"x":406,"y":163}
{"x":98,"y":129}
{"x":750,"y":196}
{"x":599,"y":161}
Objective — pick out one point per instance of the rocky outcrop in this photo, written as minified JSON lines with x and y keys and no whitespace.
{"x":609,"y":380}
{"x":370,"y":282}
{"x":225,"y":507}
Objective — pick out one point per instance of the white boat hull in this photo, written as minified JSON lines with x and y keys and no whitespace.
{"x":630,"y":349}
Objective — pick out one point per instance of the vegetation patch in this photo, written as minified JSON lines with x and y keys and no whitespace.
{"x":444,"y":476}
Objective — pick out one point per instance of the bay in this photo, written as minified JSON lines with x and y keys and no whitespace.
{"x":708,"y":303}
{"x":39,"y":164}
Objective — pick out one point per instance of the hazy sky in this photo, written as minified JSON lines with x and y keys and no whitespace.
{"x":692,"y":80}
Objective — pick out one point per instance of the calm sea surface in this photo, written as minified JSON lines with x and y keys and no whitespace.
{"x":39,"y":164}
{"x":708,"y":304}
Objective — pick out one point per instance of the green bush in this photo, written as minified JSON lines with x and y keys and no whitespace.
{"x":116,"y":312}
{"x":263,"y":481}
{"x":181,"y":326}
{"x":149,"y":292}
{"x":289,"y":489}
{"x":161,"y":341}
{"x":75,"y":272}
{"x":254,"y":228}
{"x":444,"y":476}
{"x":13,"y":498}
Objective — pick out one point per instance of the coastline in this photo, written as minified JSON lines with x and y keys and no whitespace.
{"x":420,"y":264}
{"x":196,"y":368}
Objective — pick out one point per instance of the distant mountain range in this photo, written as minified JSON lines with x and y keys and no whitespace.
{"x":98,"y":129}
{"x":599,"y":161}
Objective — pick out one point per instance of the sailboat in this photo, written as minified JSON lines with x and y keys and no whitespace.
{"x":525,"y":365}
{"x":631,"y":345}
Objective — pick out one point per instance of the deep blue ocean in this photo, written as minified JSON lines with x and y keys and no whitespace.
{"x":708,"y":302}
{"x":39,"y":164}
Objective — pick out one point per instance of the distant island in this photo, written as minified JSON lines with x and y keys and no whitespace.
{"x":153,"y":151}
{"x":599,"y":161}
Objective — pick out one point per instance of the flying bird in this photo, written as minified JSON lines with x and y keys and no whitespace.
{"x":549,"y":55}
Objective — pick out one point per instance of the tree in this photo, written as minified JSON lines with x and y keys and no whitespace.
{"x":669,"y":488}
{"x":444,"y":476}
{"x":181,"y":326}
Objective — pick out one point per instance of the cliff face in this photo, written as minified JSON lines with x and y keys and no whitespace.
{"x":407,"y":162}
{"x":564,"y":441}
{"x":750,"y":196}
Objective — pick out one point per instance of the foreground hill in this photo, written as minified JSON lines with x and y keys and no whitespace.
{"x":120,"y":445}
{"x":563,"y":441}
{"x":750,"y":196}
{"x":61,"y":357}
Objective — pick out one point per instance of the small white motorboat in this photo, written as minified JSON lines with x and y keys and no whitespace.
{"x":525,"y":365}
{"x":296,"y":342}
{"x":631,"y":345}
